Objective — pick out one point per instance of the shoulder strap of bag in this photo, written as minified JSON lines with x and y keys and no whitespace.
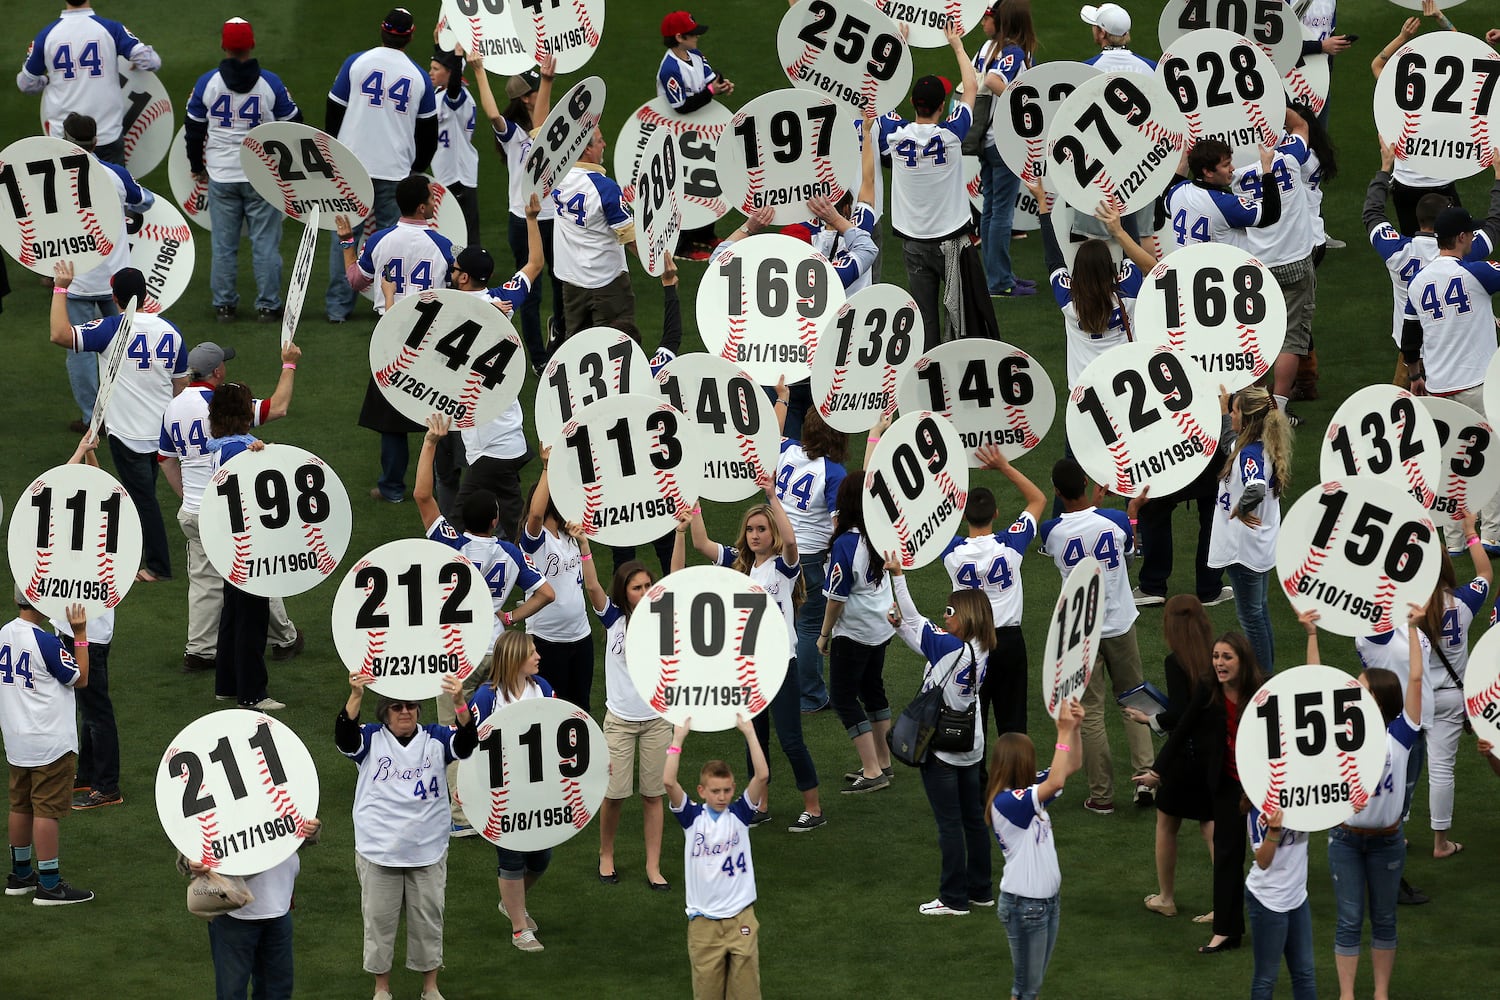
{"x":1437,"y":647}
{"x":1125,"y":317}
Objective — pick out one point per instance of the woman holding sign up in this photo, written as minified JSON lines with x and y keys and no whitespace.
{"x":1012,"y":39}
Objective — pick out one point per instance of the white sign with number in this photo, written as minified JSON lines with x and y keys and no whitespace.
{"x":1382,"y":432}
{"x":448,"y":216}
{"x":188,"y":192}
{"x":1219,"y":305}
{"x":563,"y":137}
{"x":570,"y":32}
{"x":146,"y":129}
{"x":657,"y":203}
{"x":863,"y":352}
{"x":56,"y":204}
{"x":1470,"y":467}
{"x":591,"y":364}
{"x":782,"y":149}
{"x":447,"y":352}
{"x":1073,"y":636}
{"x":917,"y":485}
{"x":109,"y":369}
{"x":74,"y":538}
{"x":624,"y":466}
{"x":275,"y":522}
{"x":735,"y":419}
{"x":487,"y":27}
{"x":296,"y":290}
{"x":845,"y":50}
{"x":1023,"y":114}
{"x":1482,"y":688}
{"x":1312,"y":744}
{"x":162,"y":249}
{"x":1307,"y":82}
{"x":1024,"y":220}
{"x":696,"y":137}
{"x":1270,"y":24}
{"x":296,"y":167}
{"x":1435,"y":104}
{"x":707,"y":644}
{"x":928,"y":20}
{"x":409,"y":614}
{"x":762,"y":303}
{"x":538,"y":775}
{"x":993,"y":393}
{"x":1117,"y":138}
{"x":1358,"y":551}
{"x":1227,"y":89}
{"x":235,"y":791}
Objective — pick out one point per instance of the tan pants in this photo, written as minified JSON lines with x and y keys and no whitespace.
{"x":725,"y":955}
{"x":448,"y":717}
{"x":382,"y":891}
{"x":206,"y":599}
{"x":1117,"y":669}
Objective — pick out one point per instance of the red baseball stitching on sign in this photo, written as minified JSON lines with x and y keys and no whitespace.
{"x":668,"y":673}
{"x":1194,"y":125}
{"x":281,"y":802}
{"x":374,"y":646}
{"x":1311,"y":564}
{"x":869,"y":91}
{"x":239,"y":572}
{"x":404,"y":360}
{"x":1258,"y":122}
{"x":1297,"y":83}
{"x":453,"y":638}
{"x":1479,"y":126}
{"x":319,"y":548}
{"x":823,"y":165}
{"x":736,"y":326}
{"x":1273,"y":788}
{"x":1384,"y":595}
{"x":288,"y":196}
{"x":498,"y":803}
{"x":476,"y":35}
{"x":43,"y":558}
{"x":1475,"y":704}
{"x":153,"y":111}
{"x":809,"y":54}
{"x":1349,"y":772}
{"x":746,"y":674}
{"x":1193,"y":430}
{"x":757,"y":177}
{"x":107,"y":561}
{"x":573,"y":796}
{"x":1411,"y":122}
{"x":469,"y":399}
{"x":153,"y":231}
{"x":1016,"y":417}
{"x":338,"y":177}
{"x":1106,"y":186}
{"x":586,"y":24}
{"x":888,"y":389}
{"x":835,"y":385}
{"x":666,"y":485}
{"x":1250,"y":344}
{"x":90,"y":221}
{"x":955,"y":11}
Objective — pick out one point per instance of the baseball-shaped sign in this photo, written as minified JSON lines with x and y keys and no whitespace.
{"x":1073,"y":635}
{"x":1383,"y":432}
{"x":235,"y":790}
{"x":188,"y":192}
{"x":450,"y":352}
{"x":782,"y":149}
{"x":74,"y":538}
{"x":591,"y":364}
{"x":707,"y":644}
{"x":993,"y":393}
{"x":295,"y":167}
{"x":1025,"y":218}
{"x":569,"y":31}
{"x":1312,"y":744}
{"x":488,"y":28}
{"x":737,"y":426}
{"x":146,"y":129}
{"x":1143,"y":416}
{"x":410,"y":613}
{"x":1226,"y":89}
{"x":1219,"y":305}
{"x":928,"y":20}
{"x":565,"y":134}
{"x":1118,"y":138}
{"x":845,"y":50}
{"x":762,"y":302}
{"x":448,"y":216}
{"x":863,"y":351}
{"x":275,"y":522}
{"x":624,"y":466}
{"x":1270,"y":24}
{"x":161,"y":248}
{"x":1470,"y":467}
{"x":696,"y":136}
{"x":1358,"y":551}
{"x":657,"y":204}
{"x":1307,"y":82}
{"x":296,"y":289}
{"x":538,"y":776}
{"x":917,"y":484}
{"x":56,"y":203}
{"x":109,"y":369}
{"x":1482,"y":688}
{"x":1023,"y":114}
{"x":1435,"y":106}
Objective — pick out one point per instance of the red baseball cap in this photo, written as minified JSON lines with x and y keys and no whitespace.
{"x":237,"y":36}
{"x":680,"y":22}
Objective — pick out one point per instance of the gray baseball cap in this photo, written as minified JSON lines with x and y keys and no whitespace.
{"x":207,"y":356}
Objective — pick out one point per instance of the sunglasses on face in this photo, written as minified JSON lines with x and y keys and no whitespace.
{"x":405,"y":706}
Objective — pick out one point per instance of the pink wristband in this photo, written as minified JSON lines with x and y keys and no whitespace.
{"x":1470,"y":542}
{"x":674,"y":749}
{"x":873,"y":440}
{"x":1064,"y":748}
{"x":59,"y":290}
{"x":587,"y":556}
{"x":288,"y":366}
{"x":80,"y":642}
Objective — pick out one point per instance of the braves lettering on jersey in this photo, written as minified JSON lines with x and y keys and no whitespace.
{"x":957,"y":665}
{"x":808,"y":489}
{"x":95,"y":281}
{"x":515,"y":145}
{"x":1405,"y":256}
{"x":1392,"y":651}
{"x":385,"y":93}
{"x":1024,"y":830}
{"x":412,"y":256}
{"x":853,"y":252}
{"x":1232,"y":540}
{"x":36,"y":695}
{"x":558,"y":559}
{"x":992,"y":563}
{"x":502,"y":565}
{"x":401,"y":802}
{"x":456,"y":160}
{"x":1105,"y":534}
{"x":1282,"y":885}
{"x":1320,"y":16}
{"x":184,"y":436}
{"x":717,"y":867}
{"x":678,"y":79}
{"x":1461,"y":605}
{"x":1200,"y":213}
{"x":620,"y":695}
{"x":72,"y":64}
{"x":1084,"y":346}
{"x":488,"y":700}
{"x":1384,"y":808}
{"x":1451,"y":299}
{"x":1119,"y":59}
{"x":1289,"y":238}
{"x":861,"y":584}
{"x":154,"y":357}
{"x":928,"y":199}
{"x":590,"y":225}
{"x":229,"y":114}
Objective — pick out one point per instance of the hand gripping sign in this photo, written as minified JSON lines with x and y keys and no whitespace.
{"x":736,"y":424}
{"x":569,"y":31}
{"x":146,"y":129}
{"x":1220,"y":306}
{"x":1117,"y":138}
{"x":275,"y":522}
{"x":1226,"y":89}
{"x":449,"y":352}
{"x":74,"y":538}
{"x":863,"y":352}
{"x":1312,"y":744}
{"x":707,"y":644}
{"x":235,"y":791}
{"x":591,"y":364}
{"x":994,"y":394}
{"x":623,"y":467}
{"x":1270,"y":24}
{"x":1073,"y":635}
{"x":696,"y":137}
{"x":928,"y":20}
{"x":188,"y":192}
{"x":657,"y":204}
{"x":918,"y":484}
{"x":487,"y":27}
{"x":162,"y":249}
{"x":296,"y":167}
{"x":1143,"y":416}
{"x":1482,"y":688}
{"x":410,"y":613}
{"x":296,"y":291}
{"x":847,"y":51}
{"x":1435,"y":104}
{"x":56,"y":203}
{"x":1470,"y":468}
{"x":1358,"y":551}
{"x":563,"y":137}
{"x":782,"y":149}
{"x":538,"y":775}
{"x":1026,"y":110}
{"x":1382,"y":431}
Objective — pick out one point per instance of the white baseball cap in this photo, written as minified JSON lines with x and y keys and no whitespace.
{"x":1111,"y":17}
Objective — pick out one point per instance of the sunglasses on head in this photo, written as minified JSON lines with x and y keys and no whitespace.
{"x":948,"y":612}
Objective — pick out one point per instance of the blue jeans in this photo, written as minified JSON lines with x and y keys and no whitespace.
{"x":786,"y":713}
{"x":1000,"y":190}
{"x":137,"y":473}
{"x":1031,"y":927}
{"x":956,"y":795}
{"x":83,"y":369}
{"x":246,"y":951}
{"x":395,"y":456}
{"x":1274,"y":934}
{"x":1414,"y":762}
{"x":339,"y":300}
{"x":1250,"y":607}
{"x":229,"y":203}
{"x":809,"y":624}
{"x":531,"y":309}
{"x":1363,"y":866}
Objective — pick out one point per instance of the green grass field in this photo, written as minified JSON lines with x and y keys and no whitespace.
{"x":838,"y":909}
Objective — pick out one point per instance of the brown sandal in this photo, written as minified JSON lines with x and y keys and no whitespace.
{"x":1155,"y":905}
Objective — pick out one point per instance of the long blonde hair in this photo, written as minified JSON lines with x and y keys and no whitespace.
{"x":745,"y":560}
{"x":1261,"y":421}
{"x":507,"y":662}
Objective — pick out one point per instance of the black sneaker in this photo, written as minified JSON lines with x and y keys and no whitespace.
{"x":15,"y":885}
{"x":63,"y":895}
{"x":96,"y":800}
{"x":807,"y":821}
{"x":268,"y":315}
{"x":862,"y":784}
{"x":194,"y":664}
{"x":1144,"y":796}
{"x":290,"y":651}
{"x":761,"y":816}
{"x":1410,"y":895}
{"x":858,"y":773}
{"x":225,"y":314}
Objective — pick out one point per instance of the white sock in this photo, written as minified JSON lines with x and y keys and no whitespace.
{"x":1280,"y":403}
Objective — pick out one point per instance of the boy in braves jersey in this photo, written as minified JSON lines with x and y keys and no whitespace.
{"x":990,"y":561}
{"x":687,"y":82}
{"x":723,"y":934}
{"x":1201,"y":205}
{"x":455,"y":165}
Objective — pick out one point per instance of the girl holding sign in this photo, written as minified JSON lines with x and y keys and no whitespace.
{"x":1012,"y":39}
{"x":1280,"y":914}
{"x":561,"y":631}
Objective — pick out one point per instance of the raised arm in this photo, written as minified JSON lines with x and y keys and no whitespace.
{"x":1409,"y":29}
{"x":1309,"y":620}
{"x":486,"y":97}
{"x":537,"y":512}
{"x":1139,"y":255}
{"x":536,"y":257}
{"x":1031,"y":494}
{"x":675,"y":794}
{"x":1266,"y":852}
{"x":598,"y":599}
{"x":547,"y":65}
{"x":867,"y":165}
{"x":707,"y":547}
{"x":281,"y":400}
{"x":755,"y":790}
{"x":912,"y":622}
{"x":1414,"y":615}
{"x":61,"y":327}
{"x":1373,"y":213}
{"x":1069,"y":755}
{"x":965,"y":66}
{"x":783,"y":524}
{"x":422,"y":492}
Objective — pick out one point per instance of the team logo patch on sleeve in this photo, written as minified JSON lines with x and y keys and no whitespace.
{"x":674,"y":88}
{"x":1479,"y":587}
{"x":1249,"y":468}
{"x":1018,"y":527}
{"x":835,"y":577}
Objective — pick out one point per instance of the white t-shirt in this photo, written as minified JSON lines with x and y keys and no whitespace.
{"x":808,"y":489}
{"x":718,"y":869}
{"x":1281,"y":887}
{"x":1119,"y":59}
{"x":864,"y":587}
{"x":620,"y":695}
{"x":992,"y":563}
{"x":1024,"y":829}
{"x":401,"y":802}
{"x":385,"y":93}
{"x":558,"y":560}
{"x":1451,"y":298}
{"x":154,"y":357}
{"x":272,"y":890}
{"x":1392,"y":651}
{"x":1106,"y":535}
{"x":590,"y":216}
{"x":928,"y":199}
{"x":504,"y":437}
{"x":1233,"y":541}
{"x":456,"y":160}
{"x":36,"y":695}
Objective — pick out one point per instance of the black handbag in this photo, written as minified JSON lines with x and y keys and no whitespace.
{"x":979,"y":128}
{"x":916,"y":730}
{"x":955,"y":727}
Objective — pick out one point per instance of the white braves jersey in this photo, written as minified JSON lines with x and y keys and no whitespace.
{"x":1384,"y":808}
{"x":516,"y":144}
{"x":1462,"y":605}
{"x":1312,"y":180}
{"x":863,"y":586}
{"x":779,"y":579}
{"x":717,"y":867}
{"x":1084,"y":346}
{"x":1405,"y":256}
{"x":154,"y":356}
{"x":502,"y":565}
{"x":808,"y":489}
{"x":992,"y":563}
{"x":401,"y":802}
{"x":928,"y":199}
{"x":1024,"y":830}
{"x":1282,"y":886}
{"x":558,"y":559}
{"x":1290,"y":238}
{"x":958,"y":666}
{"x":184,"y":436}
{"x":230,"y":115}
{"x":620,"y":695}
{"x":1106,"y":535}
{"x":95,"y":281}
{"x":72,"y":64}
{"x":678,"y":79}
{"x":36,"y":695}
{"x":414,"y":257}
{"x":1202,"y":214}
{"x":1119,"y":59}
{"x":1451,"y":297}
{"x":456,"y":160}
{"x":588,"y":252}
{"x":385,"y":93}
{"x":1392,"y":651}
{"x":1232,"y":541}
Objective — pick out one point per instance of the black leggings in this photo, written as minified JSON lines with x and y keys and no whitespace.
{"x":856,"y":683}
{"x":1004,"y":686}
{"x":1404,"y":199}
{"x":568,"y":667}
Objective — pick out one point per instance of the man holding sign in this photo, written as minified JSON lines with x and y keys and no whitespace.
{"x":593,"y":230}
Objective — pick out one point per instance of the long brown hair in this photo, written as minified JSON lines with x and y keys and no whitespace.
{"x":1190,"y":637}
{"x":1013,"y":26}
{"x":744,"y":560}
{"x":1385,"y":688}
{"x":973,"y":611}
{"x":1250,"y":678}
{"x":1095,"y":285}
{"x":230,"y":410}
{"x":1437,"y":605}
{"x":821,"y":441}
{"x":1012,"y":765}
{"x":624,"y":573}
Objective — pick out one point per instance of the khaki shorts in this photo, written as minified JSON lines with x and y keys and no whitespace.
{"x":624,"y":740}
{"x":46,"y":791}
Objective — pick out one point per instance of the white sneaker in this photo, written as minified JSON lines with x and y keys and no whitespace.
{"x":937,"y":908}
{"x":1145,"y":600}
{"x":526,"y":940}
{"x":1227,"y":594}
{"x":266,"y":705}
{"x":530,"y":923}
{"x":1334,"y":244}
